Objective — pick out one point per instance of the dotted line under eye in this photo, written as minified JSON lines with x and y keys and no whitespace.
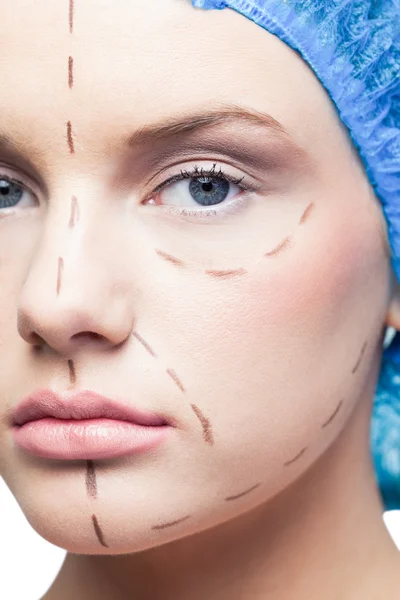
{"x":224,"y":274}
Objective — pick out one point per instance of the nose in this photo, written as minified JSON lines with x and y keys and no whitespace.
{"x":80,"y":298}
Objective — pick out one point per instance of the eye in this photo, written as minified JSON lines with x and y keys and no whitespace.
{"x":13,"y":192}
{"x":198,"y":188}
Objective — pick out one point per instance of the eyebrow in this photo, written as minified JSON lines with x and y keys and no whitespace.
{"x":176,"y":127}
{"x":230,"y":114}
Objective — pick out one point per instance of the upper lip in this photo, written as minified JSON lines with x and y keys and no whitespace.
{"x":82,"y":405}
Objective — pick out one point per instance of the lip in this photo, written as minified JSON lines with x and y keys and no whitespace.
{"x":82,"y":405}
{"x":86,"y":425}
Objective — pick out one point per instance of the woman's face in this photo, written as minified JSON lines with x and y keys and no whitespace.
{"x":183,"y":217}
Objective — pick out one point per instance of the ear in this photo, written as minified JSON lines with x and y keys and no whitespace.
{"x":393,"y":314}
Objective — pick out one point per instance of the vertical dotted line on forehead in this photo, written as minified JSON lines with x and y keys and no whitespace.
{"x":70,"y":71}
{"x":71,"y":16}
{"x":70,"y":74}
{"x":70,"y":139}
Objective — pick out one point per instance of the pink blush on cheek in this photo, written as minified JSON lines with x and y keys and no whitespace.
{"x":322,"y":278}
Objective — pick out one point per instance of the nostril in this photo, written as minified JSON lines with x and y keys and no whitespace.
{"x":87,"y":334}
{"x":36,"y":339}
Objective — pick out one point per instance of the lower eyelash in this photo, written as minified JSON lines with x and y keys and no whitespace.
{"x":233,"y":206}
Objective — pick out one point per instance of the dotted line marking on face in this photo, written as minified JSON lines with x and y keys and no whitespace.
{"x":145,"y":345}
{"x":243,"y":493}
{"x":168,"y":257}
{"x":289,"y":462}
{"x":205,"y":423}
{"x":70,"y":71}
{"x":91,"y":485}
{"x":74,"y":215}
{"x":286,"y":243}
{"x":230,"y":273}
{"x":71,"y":372}
{"x":70,"y":138}
{"x":164,"y":525}
{"x":59,"y":273}
{"x":175,"y":379}
{"x":333,"y":415}
{"x":306,"y":213}
{"x":71,"y":16}
{"x":355,"y":368}
{"x":98,"y":531}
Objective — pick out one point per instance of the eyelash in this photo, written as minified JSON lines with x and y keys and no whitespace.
{"x":194,"y":173}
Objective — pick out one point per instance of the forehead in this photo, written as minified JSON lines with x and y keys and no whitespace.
{"x":136,"y":61}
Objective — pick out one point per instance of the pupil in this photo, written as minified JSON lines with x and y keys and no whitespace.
{"x":207,"y":191}
{"x":4,"y":188}
{"x":10,"y":193}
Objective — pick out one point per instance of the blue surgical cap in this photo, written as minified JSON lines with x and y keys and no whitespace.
{"x":353,"y":46}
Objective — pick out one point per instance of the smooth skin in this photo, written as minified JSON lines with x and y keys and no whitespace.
{"x":266,"y":355}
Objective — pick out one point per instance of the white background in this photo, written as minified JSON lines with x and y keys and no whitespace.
{"x":29,"y":564}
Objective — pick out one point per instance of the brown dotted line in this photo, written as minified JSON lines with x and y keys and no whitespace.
{"x":164,"y":525}
{"x":176,"y":379}
{"x":71,"y":16}
{"x":355,"y":368}
{"x":92,"y":487}
{"x":243,"y":493}
{"x":207,"y":431}
{"x":232,"y":273}
{"x":98,"y":531}
{"x":72,"y":373}
{"x":337,"y":409}
{"x":70,"y":139}
{"x":74,"y":215}
{"x":289,"y":462}
{"x":205,"y":423}
{"x":70,"y":71}
{"x":59,"y":273}
{"x":91,"y":484}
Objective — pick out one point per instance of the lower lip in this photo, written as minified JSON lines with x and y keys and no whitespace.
{"x":87,"y":439}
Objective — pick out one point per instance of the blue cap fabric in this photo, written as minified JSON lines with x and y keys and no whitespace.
{"x":353,"y":46}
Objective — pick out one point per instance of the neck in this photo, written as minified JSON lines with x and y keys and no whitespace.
{"x":324,"y":537}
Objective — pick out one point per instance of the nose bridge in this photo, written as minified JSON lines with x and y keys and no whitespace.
{"x":75,"y":284}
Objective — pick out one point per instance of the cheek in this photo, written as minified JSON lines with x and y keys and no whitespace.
{"x":269,"y":359}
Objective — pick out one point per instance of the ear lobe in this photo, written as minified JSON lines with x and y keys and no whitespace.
{"x":393,"y":314}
